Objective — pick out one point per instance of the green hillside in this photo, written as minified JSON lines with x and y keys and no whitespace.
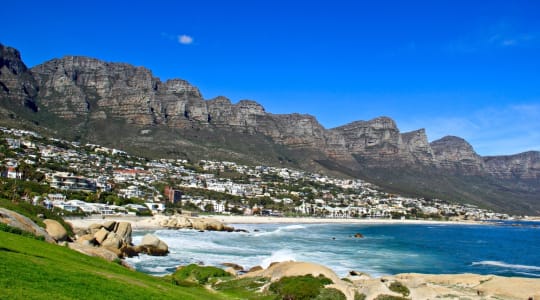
{"x":32,"y":269}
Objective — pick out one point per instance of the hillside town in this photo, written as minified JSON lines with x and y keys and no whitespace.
{"x":85,"y":179}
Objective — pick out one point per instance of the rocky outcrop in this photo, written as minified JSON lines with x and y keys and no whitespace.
{"x":180,"y":221}
{"x":55,"y":230}
{"x":17,"y":220}
{"x":152,"y":245}
{"x":291,"y":268}
{"x":111,"y":235}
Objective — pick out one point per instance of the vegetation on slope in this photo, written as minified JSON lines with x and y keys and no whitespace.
{"x":33,"y":269}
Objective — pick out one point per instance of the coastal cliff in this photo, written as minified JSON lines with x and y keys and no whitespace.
{"x":125,"y":106}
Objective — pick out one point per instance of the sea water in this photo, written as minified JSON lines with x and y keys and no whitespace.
{"x":505,"y":249}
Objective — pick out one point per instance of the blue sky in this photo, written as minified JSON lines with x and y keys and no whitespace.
{"x":464,"y":68}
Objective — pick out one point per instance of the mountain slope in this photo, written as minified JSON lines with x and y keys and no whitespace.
{"x":124,"y":106}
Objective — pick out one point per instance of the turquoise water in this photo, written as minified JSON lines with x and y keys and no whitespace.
{"x":385,"y":249}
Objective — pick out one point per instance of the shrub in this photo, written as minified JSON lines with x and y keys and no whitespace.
{"x":358,"y":296}
{"x":330,"y":294}
{"x":198,"y":274}
{"x":398,"y":287}
{"x":31,"y":211}
{"x":15,"y":230}
{"x":300,"y":287}
{"x":390,"y":297}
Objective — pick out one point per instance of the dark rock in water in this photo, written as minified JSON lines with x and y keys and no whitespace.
{"x":358,"y":235}
{"x":241,"y":230}
{"x":256,"y":230}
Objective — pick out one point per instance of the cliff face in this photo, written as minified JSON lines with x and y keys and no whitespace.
{"x":17,"y":85}
{"x":520,"y":166}
{"x":456,"y":154}
{"x":91,"y":95}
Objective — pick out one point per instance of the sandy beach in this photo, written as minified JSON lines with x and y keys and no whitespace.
{"x":311,"y":220}
{"x":153,"y":223}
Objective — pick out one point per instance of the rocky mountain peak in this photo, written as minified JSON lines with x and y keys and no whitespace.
{"x":250,"y":107}
{"x":182,"y":86}
{"x":456,"y":153}
{"x":524,"y":165}
{"x":10,"y":59}
{"x":17,"y":84}
{"x":114,"y":103}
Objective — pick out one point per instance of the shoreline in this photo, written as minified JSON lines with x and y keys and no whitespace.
{"x":420,"y":285}
{"x":153,"y":222}
{"x":313,"y":220}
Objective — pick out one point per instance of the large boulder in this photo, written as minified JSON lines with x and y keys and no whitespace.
{"x":101,"y":235}
{"x":109,"y":225}
{"x":123,"y":229}
{"x":113,"y":241}
{"x":17,"y":220}
{"x":55,"y":230}
{"x":94,"y":251}
{"x":87,"y":239}
{"x":93,"y":228}
{"x":152,"y":245}
{"x":209,"y":224}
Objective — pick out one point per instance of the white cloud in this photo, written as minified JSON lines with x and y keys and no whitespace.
{"x":185,"y":39}
{"x":501,"y":35}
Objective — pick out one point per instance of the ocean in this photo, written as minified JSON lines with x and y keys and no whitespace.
{"x":506,"y":248}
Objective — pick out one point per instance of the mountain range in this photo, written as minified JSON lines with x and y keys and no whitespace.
{"x":124,"y":106}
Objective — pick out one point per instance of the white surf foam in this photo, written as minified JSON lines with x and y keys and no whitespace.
{"x":505,"y":265}
{"x":278,"y":256}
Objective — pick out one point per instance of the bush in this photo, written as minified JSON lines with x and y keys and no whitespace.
{"x":390,"y":297}
{"x":398,"y":287}
{"x":330,"y":294}
{"x":300,"y":287}
{"x":31,"y":211}
{"x":198,"y":274}
{"x":358,"y":296}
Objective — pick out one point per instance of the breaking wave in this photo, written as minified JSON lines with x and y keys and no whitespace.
{"x":505,"y":265}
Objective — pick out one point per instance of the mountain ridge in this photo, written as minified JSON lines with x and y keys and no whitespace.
{"x":126,"y":106}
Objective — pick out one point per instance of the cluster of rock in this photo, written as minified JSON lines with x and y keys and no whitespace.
{"x":180,"y":222}
{"x":112,"y":240}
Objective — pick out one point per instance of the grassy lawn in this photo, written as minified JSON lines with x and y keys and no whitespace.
{"x":32,"y":269}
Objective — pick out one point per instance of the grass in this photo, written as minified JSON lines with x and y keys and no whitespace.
{"x":15,"y":230}
{"x":33,"y":269}
{"x":31,"y":211}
